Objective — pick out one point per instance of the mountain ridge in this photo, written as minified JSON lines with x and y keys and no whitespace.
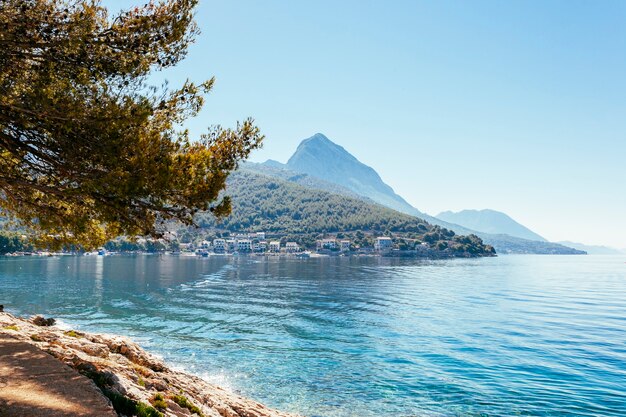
{"x":343,"y":168}
{"x":319,"y":157}
{"x":490,"y":221}
{"x":594,"y":249}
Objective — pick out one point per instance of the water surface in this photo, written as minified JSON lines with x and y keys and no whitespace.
{"x":339,"y":337}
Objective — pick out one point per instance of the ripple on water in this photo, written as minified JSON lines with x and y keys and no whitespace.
{"x":518,"y":335}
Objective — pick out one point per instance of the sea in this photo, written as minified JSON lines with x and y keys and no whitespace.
{"x":517,"y":335}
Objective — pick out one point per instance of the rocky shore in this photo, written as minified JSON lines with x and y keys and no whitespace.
{"x":132,"y":380}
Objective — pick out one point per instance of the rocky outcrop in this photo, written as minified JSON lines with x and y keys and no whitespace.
{"x":131,"y":377}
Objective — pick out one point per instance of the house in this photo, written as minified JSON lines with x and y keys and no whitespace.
{"x":383,"y":243}
{"x":219,"y":245}
{"x":185,"y":247}
{"x":292,"y":247}
{"x":231,"y":245}
{"x":244,"y":245}
{"x":205,"y":244}
{"x":259,"y":246}
{"x":344,"y":246}
{"x":329,"y":244}
{"x":275,"y":246}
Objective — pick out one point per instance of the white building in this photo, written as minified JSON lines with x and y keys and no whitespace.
{"x":259,"y":246}
{"x":383,"y":243}
{"x":244,"y":245}
{"x":219,"y":245}
{"x":292,"y":247}
{"x":329,"y":244}
{"x":344,"y":245}
{"x":275,"y":246}
{"x":231,"y":245}
{"x":205,"y":244}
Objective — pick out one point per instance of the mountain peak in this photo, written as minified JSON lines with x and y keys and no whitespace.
{"x":318,"y":145}
{"x":274,"y":164}
{"x":320,"y":137}
{"x":320,"y":157}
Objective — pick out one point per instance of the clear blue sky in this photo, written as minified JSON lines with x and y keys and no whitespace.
{"x":518,"y":106}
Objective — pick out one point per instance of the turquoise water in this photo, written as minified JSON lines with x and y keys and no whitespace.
{"x":514,"y":335}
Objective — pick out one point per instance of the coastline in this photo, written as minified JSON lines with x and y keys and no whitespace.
{"x":127,"y":374}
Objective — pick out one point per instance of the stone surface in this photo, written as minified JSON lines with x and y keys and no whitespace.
{"x":118,"y":364}
{"x":35,"y":384}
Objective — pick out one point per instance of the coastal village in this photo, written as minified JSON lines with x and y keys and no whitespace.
{"x":252,"y":243}
{"x":243,"y":243}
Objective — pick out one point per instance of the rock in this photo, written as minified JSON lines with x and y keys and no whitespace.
{"x":120,"y":366}
{"x":92,"y":349}
{"x":158,"y":385}
{"x":41,"y":321}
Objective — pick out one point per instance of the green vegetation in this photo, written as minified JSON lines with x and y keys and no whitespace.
{"x":11,"y":327}
{"x":158,"y":401}
{"x":128,"y":407}
{"x":302,"y":214}
{"x":35,"y":338}
{"x":185,"y":403}
{"x":124,"y":406}
{"x":72,"y":333}
{"x":88,"y":150}
{"x":144,"y":410}
{"x":11,"y":242}
{"x":262,"y":203}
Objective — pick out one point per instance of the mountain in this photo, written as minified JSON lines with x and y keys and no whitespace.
{"x":272,"y":163}
{"x":490,"y":221}
{"x":318,"y":156}
{"x":506,"y":244}
{"x":300,"y":213}
{"x":325,"y":161}
{"x":593,"y":249}
{"x":306,"y":180}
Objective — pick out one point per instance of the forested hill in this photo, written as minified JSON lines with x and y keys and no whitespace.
{"x":280,"y":207}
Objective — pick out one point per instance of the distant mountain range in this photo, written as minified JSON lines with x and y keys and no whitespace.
{"x":490,"y":221}
{"x":594,"y":249}
{"x":329,"y":163}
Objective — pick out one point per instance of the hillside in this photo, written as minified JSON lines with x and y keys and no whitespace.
{"x":284,"y":208}
{"x":306,"y":180}
{"x":490,"y":221}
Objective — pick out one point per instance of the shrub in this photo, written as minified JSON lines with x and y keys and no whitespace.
{"x":185,"y":403}
{"x":158,"y":401}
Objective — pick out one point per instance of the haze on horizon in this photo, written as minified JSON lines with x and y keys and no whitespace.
{"x":513,"y":106}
